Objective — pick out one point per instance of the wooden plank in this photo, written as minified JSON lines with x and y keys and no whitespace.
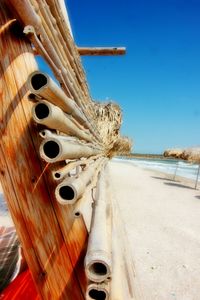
{"x":46,"y":230}
{"x":101,"y":50}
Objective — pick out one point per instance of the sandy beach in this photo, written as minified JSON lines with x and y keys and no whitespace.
{"x":162,"y":221}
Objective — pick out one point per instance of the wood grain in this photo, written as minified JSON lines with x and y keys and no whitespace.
{"x":53,"y":242}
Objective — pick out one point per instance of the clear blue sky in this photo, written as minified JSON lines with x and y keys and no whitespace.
{"x":157,"y":83}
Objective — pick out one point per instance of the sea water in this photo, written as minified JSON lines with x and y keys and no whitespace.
{"x":3,"y":207}
{"x":169,"y":166}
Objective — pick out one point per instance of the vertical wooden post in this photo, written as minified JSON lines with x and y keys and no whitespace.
{"x":52,"y":241}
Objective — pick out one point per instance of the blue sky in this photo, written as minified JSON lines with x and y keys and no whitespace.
{"x":157,"y":83}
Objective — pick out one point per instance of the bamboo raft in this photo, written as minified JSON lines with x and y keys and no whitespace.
{"x":55,"y":145}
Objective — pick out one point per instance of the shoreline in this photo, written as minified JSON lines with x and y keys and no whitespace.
{"x":178,"y":177}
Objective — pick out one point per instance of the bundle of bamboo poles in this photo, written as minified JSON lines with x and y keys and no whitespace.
{"x":85,"y":158}
{"x":50,"y":35}
{"x":70,"y":138}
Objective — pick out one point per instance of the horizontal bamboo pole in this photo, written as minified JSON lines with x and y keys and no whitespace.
{"x":118,"y":273}
{"x":53,"y":117}
{"x":41,"y":84}
{"x":57,"y":148}
{"x":61,"y":173}
{"x":66,"y":75}
{"x":28,"y":13}
{"x":72,"y":53}
{"x":65,"y":15}
{"x":71,"y":189}
{"x":101,"y":50}
{"x":87,"y":201}
{"x":100,"y":291}
{"x":98,"y":266}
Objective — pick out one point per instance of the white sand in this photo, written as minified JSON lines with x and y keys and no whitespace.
{"x":162,"y":221}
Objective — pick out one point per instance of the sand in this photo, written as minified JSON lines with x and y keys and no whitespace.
{"x":162,"y":222}
{"x":162,"y":229}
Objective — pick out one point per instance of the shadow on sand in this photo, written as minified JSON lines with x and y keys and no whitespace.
{"x":179,"y":185}
{"x":162,"y":178}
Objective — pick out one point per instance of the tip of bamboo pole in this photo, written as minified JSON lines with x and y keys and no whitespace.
{"x":100,"y":51}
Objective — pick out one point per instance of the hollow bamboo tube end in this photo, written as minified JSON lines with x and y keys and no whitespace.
{"x":97,"y":266}
{"x":97,"y":291}
{"x":66,"y":193}
{"x":37,"y":81}
{"x":50,"y":149}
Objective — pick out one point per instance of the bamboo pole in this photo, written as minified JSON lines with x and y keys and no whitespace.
{"x":30,"y":17}
{"x":101,"y":50}
{"x":100,"y":291}
{"x":53,"y":247}
{"x":65,"y":14}
{"x":53,"y":117}
{"x":42,"y":85}
{"x":70,"y":77}
{"x":85,"y":203}
{"x":50,"y":33}
{"x":98,"y":266}
{"x":66,"y":39}
{"x":63,"y":28}
{"x":61,"y":173}
{"x":72,"y":188}
{"x":58,"y":148}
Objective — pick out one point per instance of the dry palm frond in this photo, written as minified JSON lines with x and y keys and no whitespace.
{"x":191,"y":154}
{"x":122,"y":146}
{"x":108,"y":119}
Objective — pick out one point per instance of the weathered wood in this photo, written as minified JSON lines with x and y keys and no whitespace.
{"x":101,"y":50}
{"x":52,"y":240}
